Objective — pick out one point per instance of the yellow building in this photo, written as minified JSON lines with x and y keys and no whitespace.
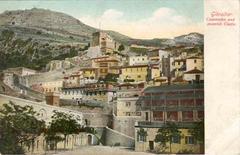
{"x":89,"y":73}
{"x":183,"y":144}
{"x":136,"y":73}
{"x":105,"y":65}
{"x":114,"y":70}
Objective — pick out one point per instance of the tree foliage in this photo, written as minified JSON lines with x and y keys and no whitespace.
{"x":111,"y":77}
{"x":121,"y":47}
{"x":166,"y":134}
{"x":62,"y":124}
{"x":198,"y":131}
{"x":18,"y":125}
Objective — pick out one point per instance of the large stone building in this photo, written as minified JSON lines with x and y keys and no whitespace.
{"x":181,"y":104}
{"x":106,"y":43}
{"x":165,"y":63}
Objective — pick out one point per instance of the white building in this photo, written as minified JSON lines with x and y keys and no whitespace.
{"x":21,"y":71}
{"x":194,"y":63}
{"x":52,"y":86}
{"x":58,"y":65}
{"x":8,"y":79}
{"x":126,"y":102}
{"x":193,"y":75}
{"x":138,"y":60}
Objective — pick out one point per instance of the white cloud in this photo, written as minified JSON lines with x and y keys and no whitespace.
{"x":164,"y":22}
{"x":111,"y":14}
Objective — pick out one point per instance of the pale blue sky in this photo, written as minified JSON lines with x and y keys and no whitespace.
{"x":134,"y":12}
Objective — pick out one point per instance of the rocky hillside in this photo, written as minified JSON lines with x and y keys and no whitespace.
{"x":32,"y":38}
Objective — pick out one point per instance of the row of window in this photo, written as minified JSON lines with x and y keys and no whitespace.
{"x":175,"y":139}
{"x":138,"y":59}
{"x":82,"y":92}
{"x":173,"y":115}
{"x":138,"y":69}
{"x":52,"y":90}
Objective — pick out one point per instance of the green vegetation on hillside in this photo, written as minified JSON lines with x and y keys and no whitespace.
{"x":15,"y":52}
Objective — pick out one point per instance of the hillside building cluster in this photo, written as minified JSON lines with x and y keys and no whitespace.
{"x":144,"y":90}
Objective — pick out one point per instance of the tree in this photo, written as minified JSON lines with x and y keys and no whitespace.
{"x":121,"y":47}
{"x":62,"y":123}
{"x":198,"y":133}
{"x":111,"y":77}
{"x":18,"y":125}
{"x":166,"y":134}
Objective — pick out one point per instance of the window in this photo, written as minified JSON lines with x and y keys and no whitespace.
{"x":141,"y":135}
{"x":128,"y":104}
{"x":139,"y":76}
{"x":195,"y":61}
{"x":189,"y":140}
{"x":176,"y":139}
{"x":142,"y":138}
{"x":187,"y":115}
{"x":157,"y":115}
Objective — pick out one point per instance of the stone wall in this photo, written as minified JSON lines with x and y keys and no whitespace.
{"x":115,"y":138}
{"x":39,"y":146}
{"x":125,"y":124}
{"x":46,"y":76}
{"x":45,"y":111}
{"x":97,"y":119}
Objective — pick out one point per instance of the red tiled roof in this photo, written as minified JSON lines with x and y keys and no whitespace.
{"x":194,"y":71}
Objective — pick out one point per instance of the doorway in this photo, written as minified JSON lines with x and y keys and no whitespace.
{"x":151,"y":145}
{"x":89,"y":139}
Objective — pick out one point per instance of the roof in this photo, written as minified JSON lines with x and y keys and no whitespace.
{"x":89,"y":68}
{"x":100,"y":57}
{"x":194,"y":71}
{"x":115,"y":67}
{"x":134,"y":66}
{"x":180,"y":125}
{"x":179,"y":60}
{"x":194,"y":57}
{"x":171,"y":87}
{"x":107,"y":60}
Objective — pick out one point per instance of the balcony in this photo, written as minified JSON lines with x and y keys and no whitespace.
{"x":162,"y":124}
{"x":169,"y":108}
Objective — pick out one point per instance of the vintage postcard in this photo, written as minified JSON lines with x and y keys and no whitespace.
{"x":136,"y":77}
